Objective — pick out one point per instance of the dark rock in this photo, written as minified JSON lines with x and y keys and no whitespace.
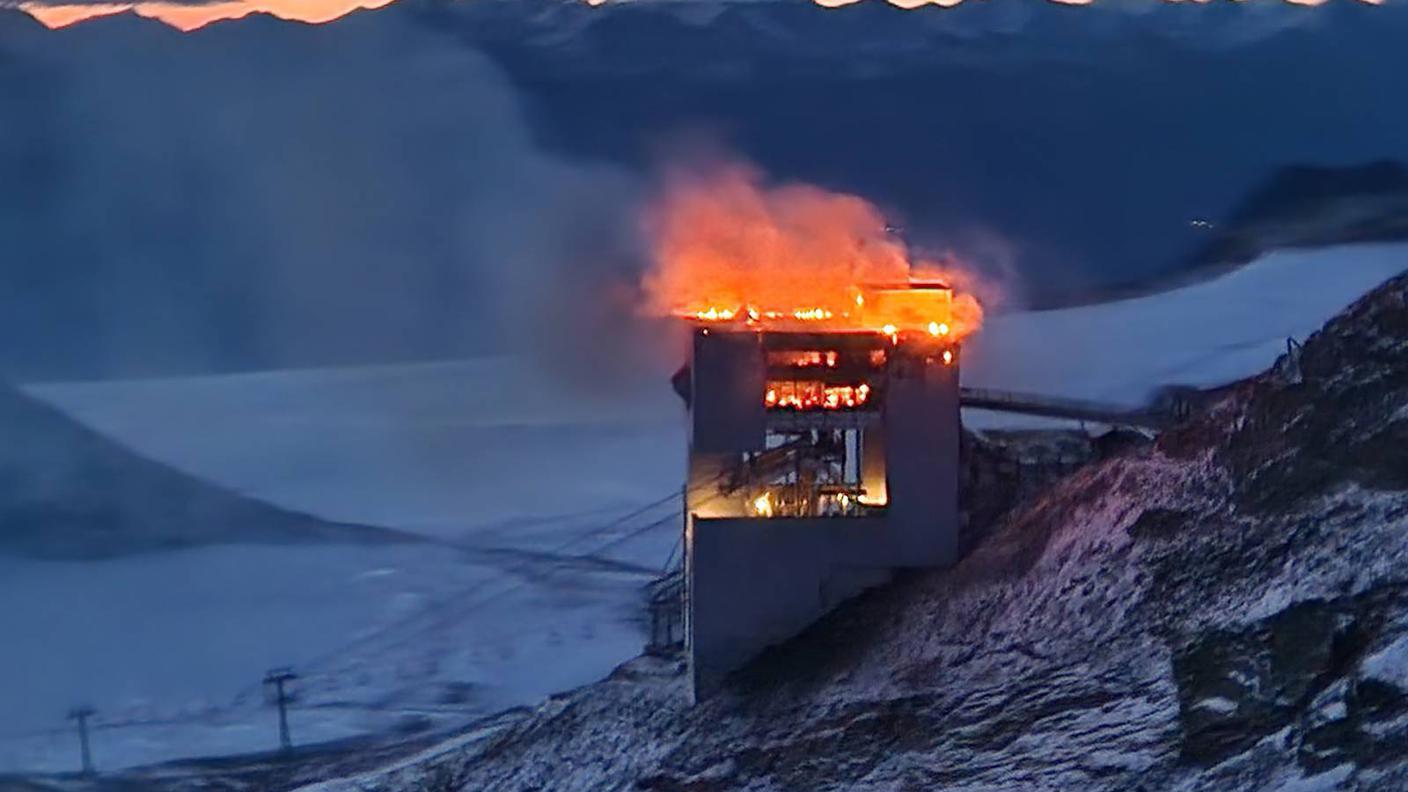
{"x":1295,"y":667}
{"x":1160,"y":523}
{"x":1345,"y":422}
{"x":68,"y":492}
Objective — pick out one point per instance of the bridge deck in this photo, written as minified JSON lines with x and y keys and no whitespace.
{"x":1056,"y":407}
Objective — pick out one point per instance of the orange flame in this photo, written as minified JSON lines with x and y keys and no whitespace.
{"x":815,"y":395}
{"x":727,"y":247}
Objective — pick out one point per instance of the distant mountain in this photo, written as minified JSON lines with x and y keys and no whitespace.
{"x":1074,"y":146}
{"x":1306,"y":206}
{"x":714,"y":38}
{"x":1298,"y":206}
{"x":67,"y":492}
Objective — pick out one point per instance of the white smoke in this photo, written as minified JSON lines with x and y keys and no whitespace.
{"x":366,"y":191}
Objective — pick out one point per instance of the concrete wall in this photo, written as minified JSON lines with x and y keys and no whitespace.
{"x":730,"y":375}
{"x":757,"y":582}
{"x":921,"y":416}
{"x":752,"y":582}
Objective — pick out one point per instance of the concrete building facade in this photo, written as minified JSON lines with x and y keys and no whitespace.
{"x":820,"y":463}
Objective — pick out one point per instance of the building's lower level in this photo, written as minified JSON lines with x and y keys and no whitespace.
{"x":819,"y":464}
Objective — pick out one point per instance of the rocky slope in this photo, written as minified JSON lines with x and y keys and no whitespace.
{"x":68,"y":492}
{"x":1226,"y":609}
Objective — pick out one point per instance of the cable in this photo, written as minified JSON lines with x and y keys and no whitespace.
{"x":432,"y":611}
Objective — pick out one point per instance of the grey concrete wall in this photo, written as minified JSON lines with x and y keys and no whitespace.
{"x":757,"y":582}
{"x":921,"y":416}
{"x":730,"y":376}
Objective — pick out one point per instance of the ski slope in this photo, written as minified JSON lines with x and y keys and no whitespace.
{"x":545,"y":511}
{"x":1205,"y":334}
{"x":530,"y":579}
{"x":442,"y":448}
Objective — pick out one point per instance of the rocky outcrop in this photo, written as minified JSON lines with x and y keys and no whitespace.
{"x":1346,"y":421}
{"x":1300,"y":672}
{"x":1000,"y":470}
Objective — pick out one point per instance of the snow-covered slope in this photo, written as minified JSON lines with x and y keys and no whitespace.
{"x":68,"y":492}
{"x":1226,"y":610}
{"x":1206,"y":334}
{"x":445,"y":449}
{"x":171,"y":649}
{"x":547,"y":507}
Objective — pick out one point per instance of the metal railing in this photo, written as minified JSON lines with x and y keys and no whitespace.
{"x":1073,"y":409}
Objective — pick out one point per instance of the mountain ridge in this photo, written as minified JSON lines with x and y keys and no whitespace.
{"x":67,"y":493}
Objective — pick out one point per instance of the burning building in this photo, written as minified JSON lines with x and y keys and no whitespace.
{"x":823,"y":398}
{"x":823,"y":456}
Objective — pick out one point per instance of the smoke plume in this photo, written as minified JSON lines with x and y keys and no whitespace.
{"x":723,"y":238}
{"x":364,"y":192}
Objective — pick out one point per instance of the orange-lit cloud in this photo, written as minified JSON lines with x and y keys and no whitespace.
{"x":189,"y":16}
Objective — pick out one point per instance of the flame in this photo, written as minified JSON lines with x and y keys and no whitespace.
{"x":804,"y":359}
{"x":815,"y":395}
{"x":762,"y":505}
{"x":192,"y":16}
{"x":728,"y":246}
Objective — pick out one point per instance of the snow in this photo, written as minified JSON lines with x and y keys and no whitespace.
{"x":103,"y":634}
{"x":381,"y":635}
{"x":1205,"y":334}
{"x":1334,"y":778}
{"x":438,"y":448}
{"x":1389,"y":664}
{"x":1217,"y":704}
{"x":512,"y":475}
